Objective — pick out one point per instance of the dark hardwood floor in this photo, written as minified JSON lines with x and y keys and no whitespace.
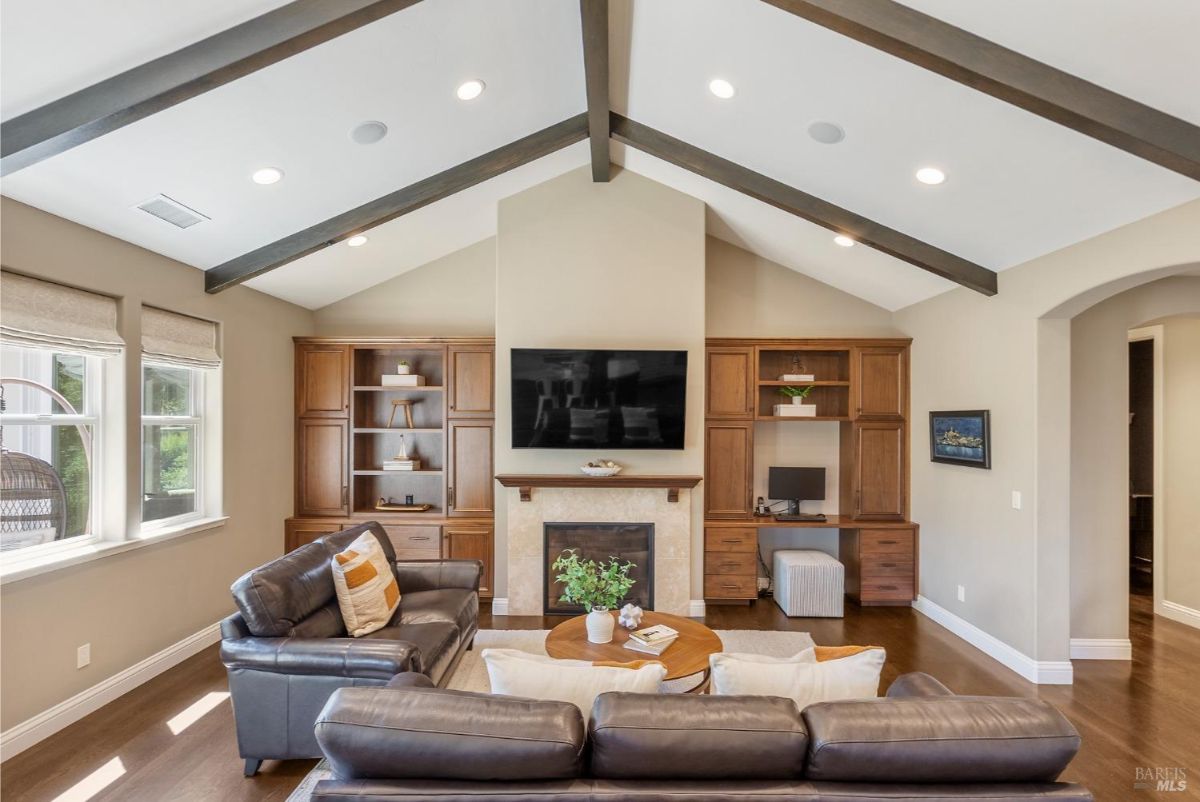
{"x":1140,"y":714}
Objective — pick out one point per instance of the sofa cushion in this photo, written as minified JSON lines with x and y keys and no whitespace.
{"x":516,"y":673}
{"x":453,"y":605}
{"x":366,"y":588}
{"x":802,"y":678}
{"x":371,"y":733}
{"x":686,"y":737}
{"x":945,"y":739}
{"x":436,"y":643}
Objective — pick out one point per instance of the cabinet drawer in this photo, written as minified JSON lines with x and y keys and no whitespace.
{"x":730,"y":587}
{"x":884,"y":589}
{"x":730,"y":562}
{"x":415,"y":537}
{"x":418,"y":554}
{"x":730,"y":539}
{"x":886,"y":541}
{"x":887,"y":565}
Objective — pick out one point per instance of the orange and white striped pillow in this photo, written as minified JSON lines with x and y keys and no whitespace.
{"x":367,"y":592}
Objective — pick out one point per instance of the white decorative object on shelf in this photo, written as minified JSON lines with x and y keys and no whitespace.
{"x":796,"y":410}
{"x":600,"y":626}
{"x":402,"y":380}
{"x":797,"y":377}
{"x":404,"y":368}
{"x":601,"y":468}
{"x":631,"y":616}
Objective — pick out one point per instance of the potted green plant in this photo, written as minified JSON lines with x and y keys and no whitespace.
{"x":403,"y":368}
{"x":598,"y":586}
{"x":797,"y":394}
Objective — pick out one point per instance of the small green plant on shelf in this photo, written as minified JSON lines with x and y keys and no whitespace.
{"x":594,"y":585}
{"x":796,"y":392}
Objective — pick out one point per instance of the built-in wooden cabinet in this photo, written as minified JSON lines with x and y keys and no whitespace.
{"x":730,"y":563}
{"x":470,"y":480}
{"x":881,"y":564}
{"x":875,"y":481}
{"x":463,"y":542}
{"x":729,"y":376}
{"x":881,"y":382}
{"x":351,"y":421}
{"x":728,"y":469}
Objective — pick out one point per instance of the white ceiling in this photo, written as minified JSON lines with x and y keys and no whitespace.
{"x":1018,"y":186}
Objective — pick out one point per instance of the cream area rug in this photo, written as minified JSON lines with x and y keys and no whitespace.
{"x":471,"y":674}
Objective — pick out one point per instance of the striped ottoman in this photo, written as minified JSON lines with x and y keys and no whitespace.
{"x":809,"y":584}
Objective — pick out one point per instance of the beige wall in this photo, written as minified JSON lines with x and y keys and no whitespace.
{"x":1011,"y":354}
{"x":131,"y":605}
{"x":1100,"y":449}
{"x":749,"y":296}
{"x":452,"y":296}
{"x":589,"y":265}
{"x":1181,"y":465}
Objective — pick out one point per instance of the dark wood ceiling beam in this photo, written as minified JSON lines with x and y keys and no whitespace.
{"x":594,"y":17}
{"x":159,"y":84}
{"x":396,"y":204}
{"x":1010,"y":76}
{"x":801,"y":204}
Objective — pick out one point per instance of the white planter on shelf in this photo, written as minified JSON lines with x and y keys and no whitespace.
{"x":404,"y":370}
{"x":600,"y":625}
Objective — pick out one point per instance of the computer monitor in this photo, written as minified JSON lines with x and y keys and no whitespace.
{"x":796,"y":485}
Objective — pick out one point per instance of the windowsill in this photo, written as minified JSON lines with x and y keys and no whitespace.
{"x":15,"y":570}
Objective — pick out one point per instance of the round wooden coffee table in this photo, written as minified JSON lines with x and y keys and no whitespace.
{"x":688,"y":655}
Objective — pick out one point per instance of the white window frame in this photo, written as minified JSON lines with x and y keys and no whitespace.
{"x":200,"y":467}
{"x":92,"y":415}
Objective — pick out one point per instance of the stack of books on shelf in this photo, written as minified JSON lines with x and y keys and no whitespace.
{"x":652,"y":640}
{"x":402,"y":465}
{"x":402,"y":380}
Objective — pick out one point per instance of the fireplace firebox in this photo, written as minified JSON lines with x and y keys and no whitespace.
{"x":632,"y":542}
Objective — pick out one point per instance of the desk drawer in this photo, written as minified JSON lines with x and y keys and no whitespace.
{"x":743,"y":563}
{"x":423,"y":537}
{"x":719,"y":538}
{"x":418,"y":554}
{"x":885,"y":589}
{"x":887,"y":565}
{"x":886,"y":541}
{"x":730,"y":587}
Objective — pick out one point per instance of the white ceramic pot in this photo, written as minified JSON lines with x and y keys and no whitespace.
{"x":600,"y":625}
{"x":798,"y":400}
{"x":404,"y":370}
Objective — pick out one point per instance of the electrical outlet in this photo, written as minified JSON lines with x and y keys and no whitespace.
{"x":1016,"y":499}
{"x":962,"y":593}
{"x":83,"y":655}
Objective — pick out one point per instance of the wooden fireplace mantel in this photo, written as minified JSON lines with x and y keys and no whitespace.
{"x":526,"y":482}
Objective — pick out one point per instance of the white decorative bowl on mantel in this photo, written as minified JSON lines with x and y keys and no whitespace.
{"x":600,"y":470}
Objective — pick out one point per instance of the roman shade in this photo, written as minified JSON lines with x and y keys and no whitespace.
{"x":174,"y":339}
{"x":41,"y":314}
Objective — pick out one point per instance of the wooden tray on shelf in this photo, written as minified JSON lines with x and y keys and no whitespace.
{"x":384,"y":507}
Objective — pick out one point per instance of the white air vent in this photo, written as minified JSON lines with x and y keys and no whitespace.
{"x":172,"y":211}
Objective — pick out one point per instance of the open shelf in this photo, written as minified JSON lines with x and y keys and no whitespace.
{"x":395,"y":430}
{"x":380,"y":472}
{"x":375,"y":388}
{"x":817,"y":418}
{"x":765,"y":383}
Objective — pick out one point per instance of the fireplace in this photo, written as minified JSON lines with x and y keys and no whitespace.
{"x":632,"y":542}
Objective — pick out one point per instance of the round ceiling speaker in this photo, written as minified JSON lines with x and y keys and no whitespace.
{"x":826,"y":133}
{"x":368,"y":133}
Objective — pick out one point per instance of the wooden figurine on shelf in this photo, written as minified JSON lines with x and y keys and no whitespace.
{"x":407,"y":404}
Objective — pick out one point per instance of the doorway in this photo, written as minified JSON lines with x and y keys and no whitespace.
{"x":1146,"y":390}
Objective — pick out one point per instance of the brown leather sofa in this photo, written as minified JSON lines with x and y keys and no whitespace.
{"x":286,"y":649}
{"x":411,"y":741}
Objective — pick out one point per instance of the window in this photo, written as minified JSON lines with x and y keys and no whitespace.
{"x":50,"y":430}
{"x":172,"y":439}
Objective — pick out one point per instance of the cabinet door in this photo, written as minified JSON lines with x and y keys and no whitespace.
{"x":470,"y":382}
{"x":879,"y":456}
{"x":469,"y":491}
{"x":881,"y":382}
{"x":323,"y":381}
{"x":730,"y":385}
{"x":322,"y":480}
{"x":297,"y":532}
{"x":471,"y":543}
{"x":728,"y":471}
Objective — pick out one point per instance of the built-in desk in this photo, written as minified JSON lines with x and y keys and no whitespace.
{"x":880,"y":558}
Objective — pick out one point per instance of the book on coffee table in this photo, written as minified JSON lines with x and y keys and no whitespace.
{"x":656,"y":648}
{"x":652,"y":635}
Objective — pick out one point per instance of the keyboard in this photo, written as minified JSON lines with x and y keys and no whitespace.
{"x":801,"y":517}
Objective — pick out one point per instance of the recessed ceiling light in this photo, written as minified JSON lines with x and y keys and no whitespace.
{"x":369,"y":132}
{"x":930,"y":175}
{"x":721,"y":88}
{"x":267,"y":175}
{"x":826,"y":133}
{"x":470,"y":90}
{"x":843,"y":240}
{"x":356,"y":240}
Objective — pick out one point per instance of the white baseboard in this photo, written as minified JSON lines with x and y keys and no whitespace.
{"x":1177,"y":612}
{"x":1101,"y":649}
{"x":500,"y":605}
{"x":1045,"y":672}
{"x":29,"y":732}
{"x":696,"y":608}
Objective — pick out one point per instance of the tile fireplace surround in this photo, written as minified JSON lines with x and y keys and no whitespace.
{"x":672,"y":538}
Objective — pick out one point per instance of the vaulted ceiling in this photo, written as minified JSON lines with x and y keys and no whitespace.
{"x":1018,"y":185}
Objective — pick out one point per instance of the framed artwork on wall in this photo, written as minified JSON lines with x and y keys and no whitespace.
{"x":961,"y":437}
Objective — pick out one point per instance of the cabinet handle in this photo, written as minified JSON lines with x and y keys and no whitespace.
{"x":345,"y":495}
{"x":730,"y":565}
{"x":887,"y":565}
{"x":450,"y":496}
{"x":887,"y":587}
{"x":732,"y":540}
{"x":730,"y":587}
{"x":422,"y":537}
{"x":888,"y":542}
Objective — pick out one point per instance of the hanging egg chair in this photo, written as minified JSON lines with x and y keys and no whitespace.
{"x":33,"y":501}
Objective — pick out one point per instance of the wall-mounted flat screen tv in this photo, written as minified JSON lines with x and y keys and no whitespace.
{"x":598,"y":400}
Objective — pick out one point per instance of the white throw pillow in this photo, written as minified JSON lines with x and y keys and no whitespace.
{"x":801,"y":677}
{"x":516,"y":673}
{"x":367,"y":592}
